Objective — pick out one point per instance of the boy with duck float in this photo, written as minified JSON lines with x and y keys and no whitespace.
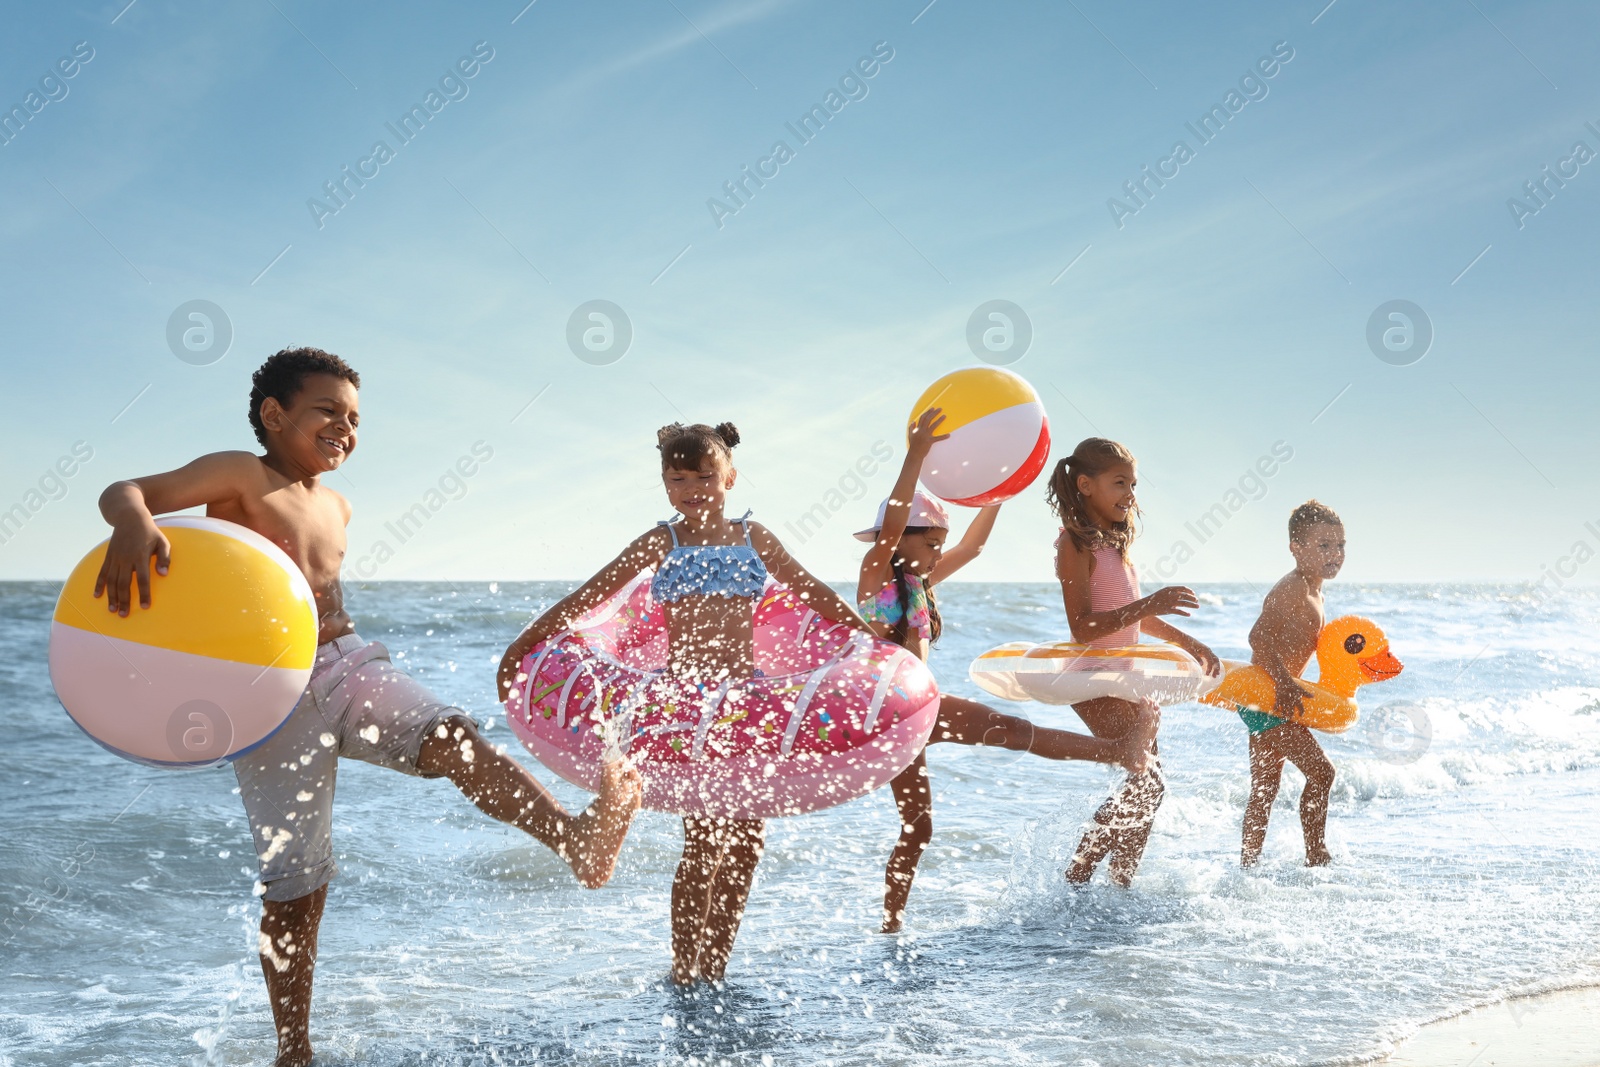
{"x":1282,"y":643}
{"x":304,"y":409}
{"x":709,"y":574}
{"x":896,"y":597}
{"x":1092,"y":492}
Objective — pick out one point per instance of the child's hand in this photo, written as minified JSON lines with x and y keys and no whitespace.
{"x":1209,"y":660}
{"x":1289,"y":701}
{"x":1173,"y":600}
{"x":128,"y":557}
{"x":925,"y":432}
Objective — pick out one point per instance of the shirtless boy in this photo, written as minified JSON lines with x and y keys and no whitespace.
{"x":1282,"y":643}
{"x":303,"y":406}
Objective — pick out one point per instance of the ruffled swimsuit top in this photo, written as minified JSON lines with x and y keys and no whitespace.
{"x":885,"y":607}
{"x":733,"y":571}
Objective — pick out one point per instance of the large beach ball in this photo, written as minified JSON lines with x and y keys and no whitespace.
{"x":999,"y":436}
{"x":209,"y":670}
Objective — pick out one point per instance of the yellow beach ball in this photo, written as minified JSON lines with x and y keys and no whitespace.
{"x":999,"y":436}
{"x":210,"y":670}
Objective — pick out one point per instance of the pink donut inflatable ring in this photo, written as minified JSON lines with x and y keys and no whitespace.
{"x":832,"y":714}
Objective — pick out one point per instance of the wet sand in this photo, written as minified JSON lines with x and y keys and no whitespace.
{"x":1550,"y":1030}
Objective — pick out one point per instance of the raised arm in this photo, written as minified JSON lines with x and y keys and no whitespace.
{"x":967,"y":549}
{"x":646,"y":551}
{"x":788,"y":571}
{"x":877,"y":568}
{"x":130,"y":507}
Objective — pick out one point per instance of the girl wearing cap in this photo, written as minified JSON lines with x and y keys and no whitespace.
{"x":895,"y":597}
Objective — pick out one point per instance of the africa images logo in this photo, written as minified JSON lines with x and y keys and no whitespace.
{"x":1205,"y":129}
{"x":453,"y":86}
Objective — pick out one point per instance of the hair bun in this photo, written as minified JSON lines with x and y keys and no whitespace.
{"x":728,"y":432}
{"x":668,"y":432}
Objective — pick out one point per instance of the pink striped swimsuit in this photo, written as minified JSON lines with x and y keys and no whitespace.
{"x":1113,"y":585}
{"x":1121,"y":826}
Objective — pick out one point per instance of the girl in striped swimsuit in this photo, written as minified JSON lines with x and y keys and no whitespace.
{"x":896,"y":598}
{"x":1092,"y":493}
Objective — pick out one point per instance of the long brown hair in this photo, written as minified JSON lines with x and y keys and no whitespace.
{"x":684,"y":448}
{"x":1092,"y":457}
{"x":902,"y":629}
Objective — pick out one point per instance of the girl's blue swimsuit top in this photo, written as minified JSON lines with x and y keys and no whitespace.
{"x":723,"y":570}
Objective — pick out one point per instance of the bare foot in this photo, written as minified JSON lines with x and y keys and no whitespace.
{"x":1080,"y":872}
{"x":1137,"y":742}
{"x":1318,"y":857}
{"x":595,"y":837}
{"x":299,"y":1056}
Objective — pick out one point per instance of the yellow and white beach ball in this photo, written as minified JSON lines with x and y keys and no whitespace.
{"x":999,"y":436}
{"x":209,"y":670}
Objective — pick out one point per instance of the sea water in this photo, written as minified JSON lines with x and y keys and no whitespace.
{"x":1463,"y":828}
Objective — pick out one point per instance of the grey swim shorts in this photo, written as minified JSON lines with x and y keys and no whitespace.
{"x":359,"y":706}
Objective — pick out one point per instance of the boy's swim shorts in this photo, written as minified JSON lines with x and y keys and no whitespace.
{"x":1259,"y":722}
{"x":359,"y":706}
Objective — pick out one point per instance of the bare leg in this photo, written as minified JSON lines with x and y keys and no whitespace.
{"x":1266,"y":770}
{"x":288,"y":946}
{"x":1139,"y":743}
{"x":1092,"y":848}
{"x":913,"y":799}
{"x":1298,"y":746}
{"x":1108,"y":717}
{"x":744,"y":840}
{"x":967,"y":722}
{"x":1122,"y":823}
{"x":503,"y":789}
{"x":1141,"y":798}
{"x":703,"y":849}
{"x":709,"y":894}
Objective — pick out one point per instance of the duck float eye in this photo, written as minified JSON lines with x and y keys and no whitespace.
{"x":1354,"y":644}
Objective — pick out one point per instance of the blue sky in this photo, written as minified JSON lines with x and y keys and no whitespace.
{"x":576,"y":164}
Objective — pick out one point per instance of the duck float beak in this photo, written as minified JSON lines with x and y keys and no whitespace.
{"x":1380,"y":666}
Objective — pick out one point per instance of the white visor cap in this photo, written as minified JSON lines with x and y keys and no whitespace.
{"x":925,"y":511}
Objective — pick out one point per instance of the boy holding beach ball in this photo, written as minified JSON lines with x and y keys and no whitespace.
{"x":304,"y":410}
